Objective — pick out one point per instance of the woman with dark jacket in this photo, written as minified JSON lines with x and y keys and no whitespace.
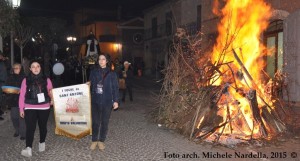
{"x":105,"y":95}
{"x":34,"y":104}
{"x":15,"y":80}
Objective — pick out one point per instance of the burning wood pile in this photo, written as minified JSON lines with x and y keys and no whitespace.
{"x":224,"y":96}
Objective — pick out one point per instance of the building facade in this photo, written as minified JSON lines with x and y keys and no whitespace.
{"x":161,"y":22}
{"x":131,"y":39}
{"x":103,"y":25}
{"x":285,"y":37}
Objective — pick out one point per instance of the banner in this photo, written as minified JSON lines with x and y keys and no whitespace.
{"x":72,"y":111}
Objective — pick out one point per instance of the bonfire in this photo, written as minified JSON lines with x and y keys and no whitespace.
{"x":224,"y":96}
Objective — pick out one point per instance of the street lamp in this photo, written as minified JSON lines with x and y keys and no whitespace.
{"x":72,"y":40}
{"x":118,"y":48}
{"x":14,"y":4}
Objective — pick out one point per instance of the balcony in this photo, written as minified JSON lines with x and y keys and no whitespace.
{"x":163,"y":30}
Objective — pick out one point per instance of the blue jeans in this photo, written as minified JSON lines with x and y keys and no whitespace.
{"x":100,"y":119}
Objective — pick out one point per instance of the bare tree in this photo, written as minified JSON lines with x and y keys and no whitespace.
{"x":23,"y":35}
{"x":8,"y":17}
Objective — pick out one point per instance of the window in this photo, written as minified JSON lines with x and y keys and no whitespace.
{"x":199,"y":17}
{"x":169,"y":27}
{"x":273,"y":37}
{"x":138,"y":38}
{"x":154,"y":27}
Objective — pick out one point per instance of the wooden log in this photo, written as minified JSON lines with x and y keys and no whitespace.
{"x":256,"y":112}
{"x":242,"y":122}
{"x":196,"y":117}
{"x":228,"y":111}
{"x":236,"y":87}
{"x":257,"y":90}
{"x":252,"y":130}
{"x":211,"y":119}
{"x":229,"y":117}
{"x":273,"y":123}
{"x":250,"y":77}
{"x":218,"y":138}
{"x":207,"y":134}
{"x":242,"y":65}
{"x":215,"y":128}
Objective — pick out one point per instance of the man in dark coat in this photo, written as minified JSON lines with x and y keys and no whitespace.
{"x":3,"y":77}
{"x":127,"y":74}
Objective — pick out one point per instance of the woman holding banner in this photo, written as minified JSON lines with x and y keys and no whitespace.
{"x":105,"y":96}
{"x":34,"y":104}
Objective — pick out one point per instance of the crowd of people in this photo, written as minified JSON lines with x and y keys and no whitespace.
{"x":31,"y":104}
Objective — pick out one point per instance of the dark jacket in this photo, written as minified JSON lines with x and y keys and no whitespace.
{"x":129,"y":78}
{"x":3,"y":72}
{"x":110,"y":86}
{"x":3,"y":77}
{"x":36,"y":84}
{"x":14,"y":80}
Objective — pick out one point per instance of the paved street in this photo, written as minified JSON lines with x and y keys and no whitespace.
{"x":132,"y":137}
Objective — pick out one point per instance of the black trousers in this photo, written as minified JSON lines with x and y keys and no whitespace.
{"x":18,"y":122}
{"x":129,"y":89}
{"x":100,"y":119}
{"x":31,"y":118}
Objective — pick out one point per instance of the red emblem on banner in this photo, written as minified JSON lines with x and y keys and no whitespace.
{"x":72,"y":105}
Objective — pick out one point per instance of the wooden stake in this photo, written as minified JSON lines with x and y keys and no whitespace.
{"x":250,"y":77}
{"x":256,"y":112}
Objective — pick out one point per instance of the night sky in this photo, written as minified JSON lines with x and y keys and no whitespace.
{"x":64,"y":8}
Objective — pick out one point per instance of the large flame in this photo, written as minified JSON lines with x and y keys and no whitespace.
{"x":240,"y":30}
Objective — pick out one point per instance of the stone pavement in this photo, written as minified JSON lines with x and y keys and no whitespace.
{"x":133,"y":137}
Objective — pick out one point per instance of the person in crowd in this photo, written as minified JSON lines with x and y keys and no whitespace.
{"x":34,"y":104}
{"x":3,"y":77}
{"x":117,"y":66}
{"x":15,"y":80}
{"x":25,"y":65}
{"x":105,"y":96}
{"x":127,"y":74}
{"x":140,"y":68}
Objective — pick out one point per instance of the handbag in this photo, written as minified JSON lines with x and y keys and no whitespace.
{"x":122,"y":84}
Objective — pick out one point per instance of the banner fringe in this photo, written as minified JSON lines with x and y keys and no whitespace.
{"x":59,"y":131}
